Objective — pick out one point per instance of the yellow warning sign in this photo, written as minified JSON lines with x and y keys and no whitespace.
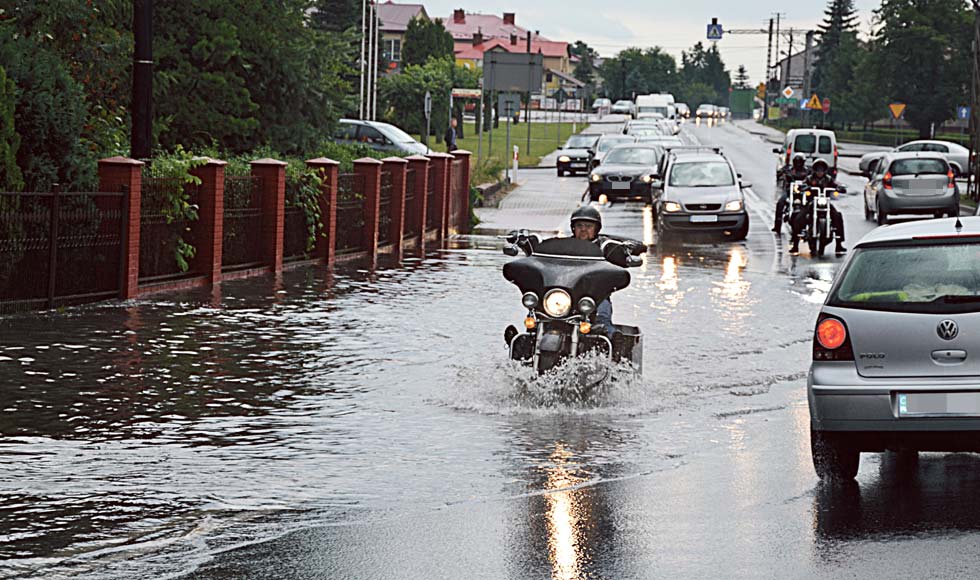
{"x":814,"y":103}
{"x":897,"y":109}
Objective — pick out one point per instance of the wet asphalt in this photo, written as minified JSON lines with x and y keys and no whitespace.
{"x":368,"y":425}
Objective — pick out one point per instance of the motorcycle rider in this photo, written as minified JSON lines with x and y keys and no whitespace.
{"x":820,"y":178}
{"x":586,"y":222}
{"x":789,"y":173}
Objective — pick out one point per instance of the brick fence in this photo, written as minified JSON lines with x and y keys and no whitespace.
{"x":380,"y":209}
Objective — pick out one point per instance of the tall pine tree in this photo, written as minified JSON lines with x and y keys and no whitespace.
{"x":840,"y":21}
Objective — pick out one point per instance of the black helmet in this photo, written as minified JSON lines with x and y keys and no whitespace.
{"x":820,"y":165}
{"x":589,"y":214}
{"x":799,"y":160}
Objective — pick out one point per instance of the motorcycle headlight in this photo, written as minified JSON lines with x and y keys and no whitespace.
{"x":564,"y":159}
{"x":595,"y":177}
{"x":557,"y":303}
{"x":646,"y":178}
{"x":586,"y":306}
{"x":529,"y":300}
{"x":822,"y":202}
{"x":734,"y":205}
{"x":672,"y":206}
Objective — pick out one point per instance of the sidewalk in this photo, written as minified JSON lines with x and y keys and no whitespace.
{"x":540,"y":202}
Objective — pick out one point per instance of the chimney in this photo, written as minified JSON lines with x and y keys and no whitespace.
{"x":459,"y":16}
{"x":509,"y":18}
{"x":513,"y":39}
{"x":478,"y":37}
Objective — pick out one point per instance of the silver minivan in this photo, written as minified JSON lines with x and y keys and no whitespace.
{"x":911,"y":183}
{"x":896,"y":349}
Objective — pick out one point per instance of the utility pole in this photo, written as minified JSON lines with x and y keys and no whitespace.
{"x":789,"y":63}
{"x":363,"y":55}
{"x":527,"y":105}
{"x":807,"y":73}
{"x":377,"y":42}
{"x":780,"y":72}
{"x":972,"y":187}
{"x":768,"y":78}
{"x":141,"y":109}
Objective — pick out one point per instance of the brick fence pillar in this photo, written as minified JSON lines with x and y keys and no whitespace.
{"x":369,"y":171}
{"x":442,"y":161}
{"x":211,"y":217}
{"x":271,"y":175}
{"x":461,"y":221}
{"x":416,"y":221}
{"x":326,"y":243}
{"x":399,"y":169}
{"x":126,"y":175}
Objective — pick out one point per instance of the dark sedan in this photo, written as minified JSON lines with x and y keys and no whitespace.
{"x":576,"y":155}
{"x":626,"y":172}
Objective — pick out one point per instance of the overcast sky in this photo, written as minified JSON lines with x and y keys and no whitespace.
{"x":611,"y":25}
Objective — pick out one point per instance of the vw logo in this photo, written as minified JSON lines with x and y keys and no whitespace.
{"x":947,"y":330}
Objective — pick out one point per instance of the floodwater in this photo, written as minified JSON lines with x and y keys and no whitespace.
{"x":140,"y":439}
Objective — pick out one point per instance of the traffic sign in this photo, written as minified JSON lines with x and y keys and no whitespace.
{"x":962,"y":113}
{"x":825,"y":105}
{"x":428,"y":105}
{"x":897,"y":109}
{"x":788,"y":92}
{"x":715,"y":32}
{"x":814,"y":103}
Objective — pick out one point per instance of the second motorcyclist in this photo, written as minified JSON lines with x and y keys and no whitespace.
{"x":788,"y":174}
{"x":819,"y":178}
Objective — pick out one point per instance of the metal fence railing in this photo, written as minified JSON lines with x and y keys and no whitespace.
{"x":384,"y":207}
{"x":432,"y":213}
{"x":411,"y":209}
{"x":296,"y":224}
{"x":164,"y":230}
{"x":350,"y":213}
{"x":241,"y":244}
{"x":60,"y":248}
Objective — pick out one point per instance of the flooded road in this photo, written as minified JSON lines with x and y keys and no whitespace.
{"x":369,"y":425}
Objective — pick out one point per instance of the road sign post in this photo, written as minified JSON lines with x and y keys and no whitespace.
{"x":788,"y":92}
{"x":897,"y":109}
{"x":427,"y":109}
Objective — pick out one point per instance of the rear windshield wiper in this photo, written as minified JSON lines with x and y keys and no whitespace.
{"x":957,"y":299}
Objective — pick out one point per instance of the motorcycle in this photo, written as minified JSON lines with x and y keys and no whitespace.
{"x":796,"y":201}
{"x":819,"y":232}
{"x":562,"y":280}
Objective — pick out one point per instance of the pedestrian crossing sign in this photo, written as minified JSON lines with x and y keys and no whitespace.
{"x":714,"y":32}
{"x":815,"y":103}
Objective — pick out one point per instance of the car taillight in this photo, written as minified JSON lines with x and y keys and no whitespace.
{"x":952,"y":180}
{"x":831,"y":340}
{"x":789,"y":154}
{"x":887,"y":180}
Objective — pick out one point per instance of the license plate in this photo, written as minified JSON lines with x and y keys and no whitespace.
{"x":939,"y":404}
{"x":620,"y":185}
{"x":704,"y":219}
{"x":578,"y":165}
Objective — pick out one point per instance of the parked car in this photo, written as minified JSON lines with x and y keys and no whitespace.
{"x":606,"y":143}
{"x":601,"y":103}
{"x":701,"y":193}
{"x":917,"y":183}
{"x":377,"y":135}
{"x":894,"y":350}
{"x":813,"y":143}
{"x":576,"y":154}
{"x":958,"y":156}
{"x":626,"y":172}
{"x":623,"y":107}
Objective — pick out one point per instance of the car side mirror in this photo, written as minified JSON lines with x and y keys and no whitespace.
{"x":777,"y":151}
{"x":739,"y":175}
{"x":745,"y":185}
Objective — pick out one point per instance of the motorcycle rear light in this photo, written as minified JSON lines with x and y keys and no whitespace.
{"x":886,"y":181}
{"x":831,"y":340}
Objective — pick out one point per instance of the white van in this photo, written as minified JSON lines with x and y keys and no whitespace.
{"x":655,"y":106}
{"x":814,"y":143}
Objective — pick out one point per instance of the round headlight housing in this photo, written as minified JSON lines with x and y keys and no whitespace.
{"x":557,"y":303}
{"x":529,"y":300}
{"x":564,"y":159}
{"x":594,"y":177}
{"x":646,"y":178}
{"x":586,"y":305}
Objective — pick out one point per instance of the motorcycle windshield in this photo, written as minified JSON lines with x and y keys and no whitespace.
{"x":576,"y":266}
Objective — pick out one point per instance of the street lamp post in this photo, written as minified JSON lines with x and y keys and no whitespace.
{"x":141,"y":134}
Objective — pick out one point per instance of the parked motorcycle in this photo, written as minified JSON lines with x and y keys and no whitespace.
{"x":562,"y":281}
{"x":819,"y":232}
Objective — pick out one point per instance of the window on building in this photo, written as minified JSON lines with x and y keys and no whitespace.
{"x":549,"y":78}
{"x":392,"y":50}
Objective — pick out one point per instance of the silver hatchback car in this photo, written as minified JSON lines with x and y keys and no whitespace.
{"x":896,"y":351}
{"x":916,"y":183}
